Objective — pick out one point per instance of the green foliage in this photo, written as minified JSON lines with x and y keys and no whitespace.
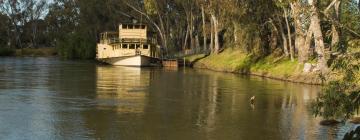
{"x":4,"y":36}
{"x":335,"y":104}
{"x":44,"y":51}
{"x":151,"y":7}
{"x":4,"y":51}
{"x":75,"y":25}
{"x":341,"y":97}
{"x":350,"y":15}
{"x":77,"y":46}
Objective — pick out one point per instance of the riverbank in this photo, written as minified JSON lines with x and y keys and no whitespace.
{"x":46,"y":51}
{"x":235,"y":61}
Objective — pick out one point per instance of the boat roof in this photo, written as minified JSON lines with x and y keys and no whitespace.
{"x":132,"y":23}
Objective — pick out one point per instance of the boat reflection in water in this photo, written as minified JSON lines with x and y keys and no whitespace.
{"x":122,"y":87}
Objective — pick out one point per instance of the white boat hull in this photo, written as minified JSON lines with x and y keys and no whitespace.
{"x":135,"y":61}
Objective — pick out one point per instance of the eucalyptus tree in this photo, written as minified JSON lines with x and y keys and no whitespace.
{"x":188,"y":6}
{"x":201,"y":4}
{"x":15,"y":11}
{"x":4,"y":30}
{"x":155,"y":13}
{"x":214,"y":14}
{"x":280,"y":15}
{"x":25,"y":13}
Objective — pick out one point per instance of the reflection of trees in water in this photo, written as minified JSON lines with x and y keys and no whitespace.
{"x":200,"y":105}
{"x":280,"y":109}
{"x":296,"y":121}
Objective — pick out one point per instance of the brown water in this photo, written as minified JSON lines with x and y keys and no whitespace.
{"x":46,"y":98}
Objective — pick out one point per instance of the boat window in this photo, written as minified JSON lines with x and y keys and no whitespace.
{"x":137,"y":26}
{"x":142,"y":26}
{"x":132,"y":46}
{"x":145,"y":47}
{"x":125,"y":46}
{"x":124,"y":26}
{"x":137,"y":46}
{"x":131,"y":27}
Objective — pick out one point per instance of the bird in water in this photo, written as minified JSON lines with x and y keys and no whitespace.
{"x":252,"y":99}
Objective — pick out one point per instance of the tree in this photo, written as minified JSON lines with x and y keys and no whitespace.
{"x":4,"y":30}
{"x":14,"y":9}
{"x":341,"y":97}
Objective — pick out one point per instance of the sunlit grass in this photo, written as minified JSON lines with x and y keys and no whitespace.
{"x":195,"y":57}
{"x":234,"y":60}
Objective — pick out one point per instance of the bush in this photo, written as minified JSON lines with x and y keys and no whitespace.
{"x":77,"y":46}
{"x":4,"y":51}
{"x":341,"y":97}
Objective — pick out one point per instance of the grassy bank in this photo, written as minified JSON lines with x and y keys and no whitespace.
{"x":48,"y":51}
{"x":236,"y":61}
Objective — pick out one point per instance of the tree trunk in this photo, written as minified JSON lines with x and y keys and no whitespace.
{"x":191,"y":31}
{"x":186,"y":38}
{"x":9,"y":38}
{"x":34,"y":36}
{"x":308,"y":41}
{"x":285,"y":43}
{"x":163,"y":34}
{"x":17,"y":37}
{"x":292,"y":50}
{"x":197,"y":43}
{"x":303,"y":53}
{"x":204,"y":27}
{"x":216,"y":34}
{"x":212,"y":36}
{"x":335,"y":33}
{"x":274,"y":36}
{"x":319,"y":40}
{"x":235,"y":33}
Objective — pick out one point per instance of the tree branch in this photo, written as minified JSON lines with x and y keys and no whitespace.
{"x":340,"y":25}
{"x":148,"y":18}
{"x":330,"y":5}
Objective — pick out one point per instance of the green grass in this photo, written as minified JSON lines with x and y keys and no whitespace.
{"x":195,"y":57}
{"x":228,"y":60}
{"x":234,"y":60}
{"x":279,"y":67}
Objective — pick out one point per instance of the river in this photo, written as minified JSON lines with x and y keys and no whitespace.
{"x":48,"y":98}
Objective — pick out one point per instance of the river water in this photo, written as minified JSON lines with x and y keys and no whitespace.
{"x":47,"y":98}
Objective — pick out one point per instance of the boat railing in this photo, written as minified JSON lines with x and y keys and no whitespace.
{"x":110,"y":41}
{"x":139,"y":40}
